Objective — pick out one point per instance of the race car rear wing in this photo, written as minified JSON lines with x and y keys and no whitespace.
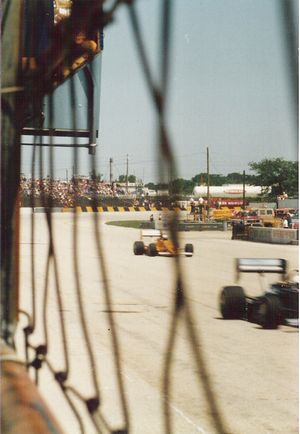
{"x":150,"y":233}
{"x":260,"y":265}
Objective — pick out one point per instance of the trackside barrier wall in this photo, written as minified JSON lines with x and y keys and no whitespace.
{"x":274,"y":235}
{"x":107,"y":209}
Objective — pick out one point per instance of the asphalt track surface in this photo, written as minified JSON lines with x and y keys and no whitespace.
{"x":253,"y":372}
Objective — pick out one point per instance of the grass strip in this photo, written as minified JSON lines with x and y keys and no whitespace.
{"x":136,"y":224}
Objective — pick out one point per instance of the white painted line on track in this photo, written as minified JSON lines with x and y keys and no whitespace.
{"x":187,"y":419}
{"x":172,"y":406}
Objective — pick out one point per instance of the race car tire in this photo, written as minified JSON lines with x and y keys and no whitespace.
{"x":189,"y":248}
{"x":138,"y":248}
{"x":251,"y":312}
{"x":269,"y":312}
{"x":233,"y":302}
{"x":152,"y":250}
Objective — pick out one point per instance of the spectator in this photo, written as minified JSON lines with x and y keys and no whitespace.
{"x":64,"y":193}
{"x":285,"y":222}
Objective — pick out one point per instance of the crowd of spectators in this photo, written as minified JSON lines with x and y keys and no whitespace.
{"x":65,"y":193}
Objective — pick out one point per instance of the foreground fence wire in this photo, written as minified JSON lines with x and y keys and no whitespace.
{"x":30,"y":71}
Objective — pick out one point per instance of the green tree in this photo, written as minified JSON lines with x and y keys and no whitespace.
{"x":279,"y":174}
{"x":234,"y":178}
{"x":151,"y":186}
{"x":200,"y":179}
{"x":238,"y":178}
{"x":131,"y":178}
{"x":188,"y":187}
{"x":181,"y":186}
{"x":214,"y":179}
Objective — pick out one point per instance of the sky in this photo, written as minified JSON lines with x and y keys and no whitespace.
{"x":230,"y":90}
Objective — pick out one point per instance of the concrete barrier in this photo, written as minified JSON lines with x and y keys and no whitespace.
{"x":216,"y":226}
{"x":42,"y":209}
{"x":274,"y":235}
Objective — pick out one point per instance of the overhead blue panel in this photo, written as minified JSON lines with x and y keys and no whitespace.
{"x":86,"y":91}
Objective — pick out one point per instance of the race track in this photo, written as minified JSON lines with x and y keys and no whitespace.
{"x":253,"y":372}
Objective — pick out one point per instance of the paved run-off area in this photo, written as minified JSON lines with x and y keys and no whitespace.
{"x":253,"y":372}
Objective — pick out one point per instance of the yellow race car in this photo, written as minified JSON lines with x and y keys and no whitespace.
{"x":159,"y":244}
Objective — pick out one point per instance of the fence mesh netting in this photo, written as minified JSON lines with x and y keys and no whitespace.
{"x":46,"y":45}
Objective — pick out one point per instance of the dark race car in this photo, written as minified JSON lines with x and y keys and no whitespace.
{"x":277,"y":305}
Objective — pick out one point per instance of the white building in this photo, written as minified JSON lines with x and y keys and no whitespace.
{"x":228,"y":190}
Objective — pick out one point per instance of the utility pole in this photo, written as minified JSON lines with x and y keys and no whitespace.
{"x":244,"y":190}
{"x":208,"y":197}
{"x":127,"y":173}
{"x":110,"y":171}
{"x":67,"y":178}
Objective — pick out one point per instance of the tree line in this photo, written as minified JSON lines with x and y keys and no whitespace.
{"x":279,"y":176}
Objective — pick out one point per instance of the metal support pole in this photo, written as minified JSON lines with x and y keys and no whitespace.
{"x":11,"y":119}
{"x":127,"y":174}
{"x":208,"y":181}
{"x":110,"y":171}
{"x":244,"y":190}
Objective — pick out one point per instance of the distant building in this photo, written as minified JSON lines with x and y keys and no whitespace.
{"x":162,"y":192}
{"x":130,"y":187}
{"x":150,"y":192}
{"x":229,"y":190}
